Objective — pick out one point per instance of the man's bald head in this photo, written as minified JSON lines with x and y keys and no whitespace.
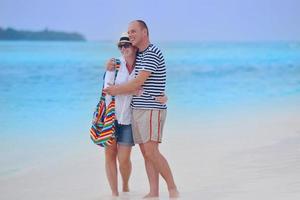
{"x":142,"y":25}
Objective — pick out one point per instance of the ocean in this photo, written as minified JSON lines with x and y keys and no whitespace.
{"x":48,"y":90}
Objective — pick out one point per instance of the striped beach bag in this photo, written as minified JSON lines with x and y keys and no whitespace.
{"x":103,"y":124}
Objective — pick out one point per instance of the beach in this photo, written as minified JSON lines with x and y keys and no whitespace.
{"x":232,"y":129}
{"x":239,"y":155}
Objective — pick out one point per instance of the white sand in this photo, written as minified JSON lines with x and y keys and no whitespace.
{"x":245,"y":155}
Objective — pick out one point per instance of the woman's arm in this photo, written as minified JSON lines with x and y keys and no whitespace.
{"x":162,"y":99}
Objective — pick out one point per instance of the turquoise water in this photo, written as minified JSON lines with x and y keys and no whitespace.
{"x":50,"y":87}
{"x":48,"y":91}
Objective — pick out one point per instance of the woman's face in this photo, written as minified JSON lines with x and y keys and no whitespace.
{"x":127,"y":49}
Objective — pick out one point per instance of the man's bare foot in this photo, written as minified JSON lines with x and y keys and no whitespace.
{"x":125,"y":188}
{"x":115,"y":194}
{"x":150,"y":195}
{"x":173,"y":193}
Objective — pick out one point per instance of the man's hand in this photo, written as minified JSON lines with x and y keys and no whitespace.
{"x":111,"y":64}
{"x":138,"y":92}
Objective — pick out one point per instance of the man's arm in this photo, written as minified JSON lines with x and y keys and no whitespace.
{"x":129,"y":87}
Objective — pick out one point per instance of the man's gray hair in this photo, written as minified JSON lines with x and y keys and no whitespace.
{"x":143,"y":25}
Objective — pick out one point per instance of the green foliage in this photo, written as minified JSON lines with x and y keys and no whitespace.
{"x":12,"y":34}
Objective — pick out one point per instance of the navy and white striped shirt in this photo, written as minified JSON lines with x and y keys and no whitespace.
{"x":151,"y":60}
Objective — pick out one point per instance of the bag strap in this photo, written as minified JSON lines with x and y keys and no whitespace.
{"x":117,"y":67}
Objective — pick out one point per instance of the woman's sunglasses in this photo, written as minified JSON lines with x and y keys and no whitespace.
{"x":125,"y":45}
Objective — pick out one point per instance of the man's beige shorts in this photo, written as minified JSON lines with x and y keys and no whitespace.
{"x":148,"y":125}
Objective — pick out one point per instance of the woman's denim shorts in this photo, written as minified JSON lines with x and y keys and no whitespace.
{"x":124,"y":134}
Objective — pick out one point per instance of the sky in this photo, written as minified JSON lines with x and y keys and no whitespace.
{"x":168,"y":20}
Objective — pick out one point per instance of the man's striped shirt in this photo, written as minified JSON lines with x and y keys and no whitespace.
{"x":151,"y":60}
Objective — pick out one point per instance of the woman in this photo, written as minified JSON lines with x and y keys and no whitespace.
{"x":121,"y":148}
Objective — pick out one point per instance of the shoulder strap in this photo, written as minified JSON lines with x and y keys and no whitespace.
{"x":102,"y":93}
{"x":117,"y":67}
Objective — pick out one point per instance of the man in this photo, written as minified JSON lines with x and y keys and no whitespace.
{"x":148,"y":114}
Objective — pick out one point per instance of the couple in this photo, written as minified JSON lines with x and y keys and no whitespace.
{"x":143,"y":66}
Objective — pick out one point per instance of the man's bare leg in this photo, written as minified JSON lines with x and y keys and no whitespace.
{"x":153,"y":176}
{"x":161,"y":165}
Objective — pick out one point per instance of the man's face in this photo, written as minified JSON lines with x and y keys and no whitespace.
{"x":135,"y":33}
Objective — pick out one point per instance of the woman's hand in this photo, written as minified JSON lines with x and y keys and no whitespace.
{"x":110,"y":64}
{"x":162,"y":99}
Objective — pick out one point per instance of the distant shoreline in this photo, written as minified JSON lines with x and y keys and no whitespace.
{"x":11,"y":34}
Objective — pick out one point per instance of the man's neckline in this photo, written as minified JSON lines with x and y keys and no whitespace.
{"x":145,"y":49}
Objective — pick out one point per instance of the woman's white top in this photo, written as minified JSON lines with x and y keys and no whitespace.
{"x":123,"y":108}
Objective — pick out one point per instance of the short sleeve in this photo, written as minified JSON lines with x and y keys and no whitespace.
{"x":150,"y":62}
